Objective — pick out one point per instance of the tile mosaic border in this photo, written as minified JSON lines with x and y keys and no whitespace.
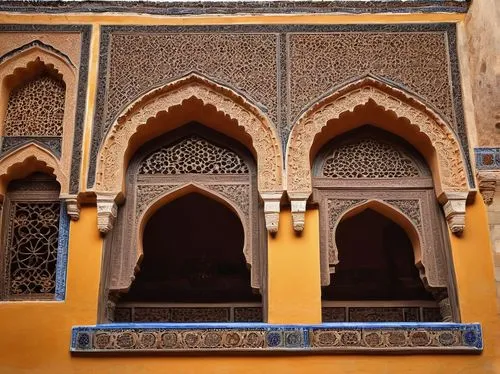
{"x":487,"y":158}
{"x":332,"y":338}
{"x":235,"y":7}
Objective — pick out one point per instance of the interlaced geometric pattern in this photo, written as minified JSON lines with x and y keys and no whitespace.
{"x":36,"y":108}
{"x":32,"y":248}
{"x":193,"y":155}
{"x":368,"y":158}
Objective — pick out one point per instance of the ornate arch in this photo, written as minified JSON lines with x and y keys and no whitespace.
{"x":27,"y":159}
{"x":139,"y":116}
{"x":13,"y":67}
{"x":449,"y":171}
{"x":123,"y":275}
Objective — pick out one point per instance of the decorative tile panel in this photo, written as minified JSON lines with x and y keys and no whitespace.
{"x":487,"y":158}
{"x":264,"y":338}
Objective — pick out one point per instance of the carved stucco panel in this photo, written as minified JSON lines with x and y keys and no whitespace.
{"x":451,"y":167}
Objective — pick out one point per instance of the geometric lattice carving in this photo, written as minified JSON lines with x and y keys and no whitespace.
{"x":36,"y":108}
{"x":193,"y":155}
{"x":32,"y":248}
{"x":411,"y":208}
{"x":368,"y":158}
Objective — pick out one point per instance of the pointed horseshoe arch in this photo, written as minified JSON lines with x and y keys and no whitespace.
{"x":428,"y":267}
{"x":448,"y":167}
{"x":123,"y":276}
{"x":138,"y":119}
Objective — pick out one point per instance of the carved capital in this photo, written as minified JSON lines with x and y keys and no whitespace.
{"x":299,"y":203}
{"x":454,"y":210}
{"x":72,"y":206}
{"x":106,"y":211}
{"x":488,"y":184}
{"x":272,"y":210}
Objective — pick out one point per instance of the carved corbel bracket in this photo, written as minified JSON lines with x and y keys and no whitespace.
{"x":299,"y":203}
{"x":454,"y":209}
{"x":488,"y":184}
{"x":72,"y":206}
{"x":106,"y":211}
{"x":272,"y":210}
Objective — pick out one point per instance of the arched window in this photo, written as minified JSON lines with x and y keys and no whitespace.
{"x":186,"y":246}
{"x":34,"y":240}
{"x":35,"y":107}
{"x":383,"y":244}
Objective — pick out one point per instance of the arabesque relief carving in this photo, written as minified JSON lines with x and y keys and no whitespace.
{"x":452,"y":182}
{"x":110,"y":171}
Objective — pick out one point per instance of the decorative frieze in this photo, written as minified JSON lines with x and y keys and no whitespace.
{"x":263,"y":338}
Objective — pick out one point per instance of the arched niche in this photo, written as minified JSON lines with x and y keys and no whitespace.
{"x":226,"y":173}
{"x":18,"y":67}
{"x":371,"y":100}
{"x":192,"y":98}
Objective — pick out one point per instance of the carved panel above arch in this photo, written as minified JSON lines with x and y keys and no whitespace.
{"x":283,"y":68}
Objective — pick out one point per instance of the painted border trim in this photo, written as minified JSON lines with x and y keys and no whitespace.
{"x":487,"y":158}
{"x":412,"y":338}
{"x":62,"y":254}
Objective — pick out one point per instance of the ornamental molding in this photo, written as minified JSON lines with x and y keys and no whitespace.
{"x":450,"y":175}
{"x":110,"y":170}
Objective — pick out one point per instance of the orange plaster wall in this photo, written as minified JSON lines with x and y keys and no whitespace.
{"x":294,"y":291}
{"x":35,"y":336}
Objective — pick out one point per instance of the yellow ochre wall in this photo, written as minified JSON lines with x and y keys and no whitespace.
{"x":35,"y":336}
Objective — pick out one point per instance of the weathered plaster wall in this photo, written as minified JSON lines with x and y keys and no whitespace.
{"x":482,"y":26}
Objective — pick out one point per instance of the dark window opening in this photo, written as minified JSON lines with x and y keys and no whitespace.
{"x":377,"y":264}
{"x":193,"y":255}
